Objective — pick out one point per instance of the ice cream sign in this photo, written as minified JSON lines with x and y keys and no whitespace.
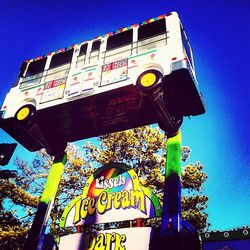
{"x":113,"y":193}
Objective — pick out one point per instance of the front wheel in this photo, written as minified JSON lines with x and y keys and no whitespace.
{"x":25,"y":114}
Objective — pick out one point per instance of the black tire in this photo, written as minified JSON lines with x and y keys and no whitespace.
{"x":27,"y":117}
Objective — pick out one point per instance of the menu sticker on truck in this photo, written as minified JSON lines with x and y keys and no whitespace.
{"x":114,"y":72}
{"x":53,"y":90}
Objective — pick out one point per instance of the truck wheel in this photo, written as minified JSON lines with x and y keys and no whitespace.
{"x":25,"y":114}
{"x":149,"y":79}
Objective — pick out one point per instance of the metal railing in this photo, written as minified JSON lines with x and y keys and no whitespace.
{"x":118,"y":53}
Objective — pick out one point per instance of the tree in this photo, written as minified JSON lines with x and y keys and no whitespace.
{"x":142,"y":148}
{"x":13,"y":231}
{"x":22,"y":194}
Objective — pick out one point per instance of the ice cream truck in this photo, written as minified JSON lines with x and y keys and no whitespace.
{"x":138,"y":75}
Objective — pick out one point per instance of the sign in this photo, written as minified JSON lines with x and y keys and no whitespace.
{"x":53,"y":90}
{"x":122,"y":239}
{"x":236,"y":239}
{"x":114,"y":72}
{"x":112,"y":194}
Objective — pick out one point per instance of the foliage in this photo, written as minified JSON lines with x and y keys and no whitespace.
{"x":142,"y":148}
{"x":12,"y":231}
{"x":12,"y":234}
{"x":23,"y":191}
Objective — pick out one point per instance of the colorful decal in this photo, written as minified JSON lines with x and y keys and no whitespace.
{"x":53,"y":90}
{"x":115,"y":239}
{"x":114,"y":72}
{"x":100,"y":37}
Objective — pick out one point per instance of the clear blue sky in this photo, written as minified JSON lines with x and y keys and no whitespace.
{"x":219,"y":33}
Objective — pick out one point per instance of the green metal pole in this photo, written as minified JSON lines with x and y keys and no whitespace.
{"x":171,"y":218}
{"x":36,"y":234}
{"x":174,"y":155}
{"x":53,"y":181}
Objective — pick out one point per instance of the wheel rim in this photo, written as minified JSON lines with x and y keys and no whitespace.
{"x":148,"y":80}
{"x":23,"y":114}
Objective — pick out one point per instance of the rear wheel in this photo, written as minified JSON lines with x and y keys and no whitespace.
{"x":149,"y":79}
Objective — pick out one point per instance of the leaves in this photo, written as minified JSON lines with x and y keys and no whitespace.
{"x":23,"y":191}
{"x":144,"y":149}
{"x":193,"y":177}
{"x":18,"y":195}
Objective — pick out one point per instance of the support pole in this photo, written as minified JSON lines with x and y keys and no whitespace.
{"x":36,"y":234}
{"x":174,"y":233}
{"x":171,"y":217}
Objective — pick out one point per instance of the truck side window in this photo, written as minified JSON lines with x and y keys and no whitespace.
{"x":36,"y":67}
{"x":83,"y":49}
{"x":61,"y":58}
{"x":82,"y":55}
{"x":152,"y":29}
{"x":96,"y":45}
{"x":152,"y":35}
{"x":119,"y":46}
{"x":22,"y":69}
{"x":119,"y":40}
{"x":95,"y":51}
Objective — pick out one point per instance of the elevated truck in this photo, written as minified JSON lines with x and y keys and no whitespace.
{"x":105,"y":85}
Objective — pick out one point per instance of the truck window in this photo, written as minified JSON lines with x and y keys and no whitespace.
{"x":36,"y":67}
{"x":152,"y":29}
{"x":119,"y":40}
{"x":95,"y":50}
{"x":59,"y":65}
{"x":152,"y":35}
{"x":83,"y":49}
{"x":82,"y":55}
{"x":22,"y":69}
{"x":33,"y":74}
{"x":119,"y":46}
{"x":96,"y":45}
{"x":61,"y":58}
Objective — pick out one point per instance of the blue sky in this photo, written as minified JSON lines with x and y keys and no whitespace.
{"x":219,"y":34}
